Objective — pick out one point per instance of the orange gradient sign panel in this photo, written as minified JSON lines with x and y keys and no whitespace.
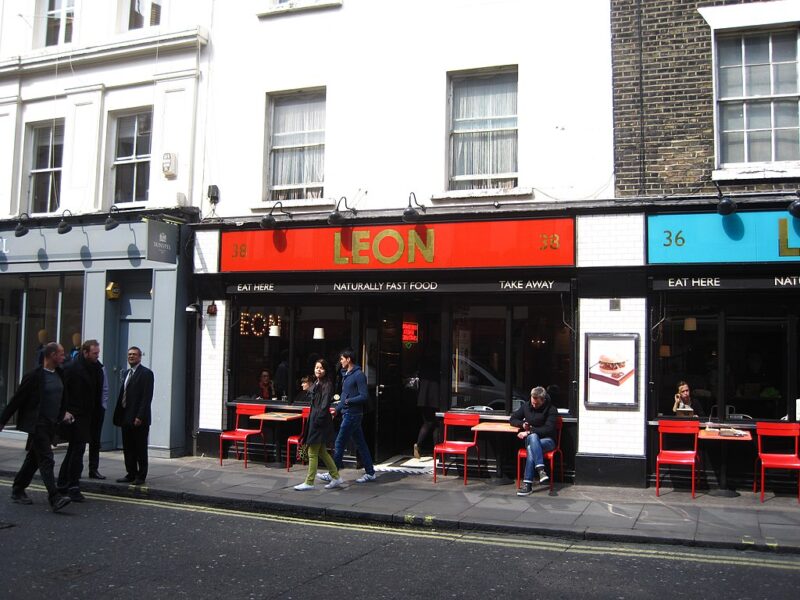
{"x":474,"y":245}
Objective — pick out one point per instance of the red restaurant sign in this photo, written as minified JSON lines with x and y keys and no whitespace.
{"x":473,"y":245}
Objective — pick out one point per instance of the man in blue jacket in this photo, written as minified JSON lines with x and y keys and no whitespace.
{"x":351,"y":406}
{"x":537,"y":423}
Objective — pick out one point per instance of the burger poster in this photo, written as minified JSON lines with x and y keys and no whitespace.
{"x":611,"y":366}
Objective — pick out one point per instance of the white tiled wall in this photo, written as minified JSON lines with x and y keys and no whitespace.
{"x":611,"y":431}
{"x":213,"y":349}
{"x":206,"y":252}
{"x":610,"y":240}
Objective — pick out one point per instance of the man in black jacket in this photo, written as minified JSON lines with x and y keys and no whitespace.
{"x":41,"y":403}
{"x":537,"y":423}
{"x":83,"y":380}
{"x":132,"y":414}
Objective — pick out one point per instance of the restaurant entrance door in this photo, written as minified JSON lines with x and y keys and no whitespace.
{"x":403,"y":342}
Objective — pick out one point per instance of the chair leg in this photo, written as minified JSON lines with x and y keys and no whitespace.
{"x":244,"y":443}
{"x":693,"y":466}
{"x":518,"y":470}
{"x":762,"y":482}
{"x":465,"y":467}
{"x":434,"y":465}
{"x":287,"y":454}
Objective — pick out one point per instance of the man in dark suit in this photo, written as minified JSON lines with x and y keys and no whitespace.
{"x":83,"y":380}
{"x":41,"y":403}
{"x":132,"y":415}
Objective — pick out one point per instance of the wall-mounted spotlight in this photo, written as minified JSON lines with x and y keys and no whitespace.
{"x":336,"y":218}
{"x":22,"y":229}
{"x":725,"y":205}
{"x":268,"y":221}
{"x":411,"y":213}
{"x":111,"y":222}
{"x":213,"y":195}
{"x":211,"y":311}
{"x":794,"y":207}
{"x":63,"y":226}
{"x":194,"y":307}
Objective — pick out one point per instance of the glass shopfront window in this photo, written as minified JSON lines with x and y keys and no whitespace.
{"x":757,"y":340}
{"x":478,"y":363}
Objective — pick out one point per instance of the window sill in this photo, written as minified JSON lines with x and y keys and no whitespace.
{"x":523,"y":193}
{"x":276,"y":10}
{"x":759,"y":171}
{"x":305,"y":203}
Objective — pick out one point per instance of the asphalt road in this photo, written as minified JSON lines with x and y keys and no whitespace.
{"x":129,"y":548}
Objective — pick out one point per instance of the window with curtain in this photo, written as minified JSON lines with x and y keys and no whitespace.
{"x":60,"y":16}
{"x":758,"y":98}
{"x":132,"y":157}
{"x":45,"y":173}
{"x":144,"y":13}
{"x":483,"y":132}
{"x":297,"y":147}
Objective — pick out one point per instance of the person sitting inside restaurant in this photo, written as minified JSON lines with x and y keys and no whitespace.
{"x":304,"y":396}
{"x":266,"y":388}
{"x":684,"y":402}
{"x":537,"y":423}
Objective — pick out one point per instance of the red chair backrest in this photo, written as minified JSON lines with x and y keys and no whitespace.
{"x":778,"y":430}
{"x":679,"y":428}
{"x":452,"y":419}
{"x":246,"y":410}
{"x":306,"y":413}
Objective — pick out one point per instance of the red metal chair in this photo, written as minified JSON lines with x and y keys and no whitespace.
{"x":294,"y":440}
{"x":449,"y":446}
{"x":677,"y":457}
{"x":240,"y":434}
{"x":522,"y":455}
{"x":771,"y":460}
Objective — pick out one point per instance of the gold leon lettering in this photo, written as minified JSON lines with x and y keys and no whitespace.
{"x":366,"y":247}
{"x":783,"y":240}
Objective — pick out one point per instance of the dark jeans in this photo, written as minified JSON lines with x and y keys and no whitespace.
{"x":94,"y":442}
{"x":134,"y":448}
{"x":69,"y":475}
{"x":351,"y":427}
{"x":39,"y":456}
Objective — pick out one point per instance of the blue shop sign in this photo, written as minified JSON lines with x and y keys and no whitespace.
{"x":744,"y":237}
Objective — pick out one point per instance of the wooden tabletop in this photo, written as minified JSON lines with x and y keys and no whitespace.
{"x":496,"y":427}
{"x":713,"y":434}
{"x":277,"y":416}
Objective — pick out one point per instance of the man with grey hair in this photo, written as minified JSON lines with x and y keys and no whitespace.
{"x":537,"y":423}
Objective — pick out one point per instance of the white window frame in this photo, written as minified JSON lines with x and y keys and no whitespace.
{"x":146,"y":8}
{"x":490,"y":179}
{"x":742,"y":20}
{"x":273,"y":8}
{"x":65,"y":16}
{"x":52,"y":171}
{"x":280,"y":191}
{"x":138,"y":160}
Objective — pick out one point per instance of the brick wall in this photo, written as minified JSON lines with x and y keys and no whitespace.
{"x":663,"y":112}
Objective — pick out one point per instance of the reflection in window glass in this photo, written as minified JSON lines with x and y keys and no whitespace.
{"x":478,"y":361}
{"x":262,"y":337}
{"x":11,"y":290}
{"x":320,"y":332}
{"x":72,"y":314}
{"x":42,"y":318}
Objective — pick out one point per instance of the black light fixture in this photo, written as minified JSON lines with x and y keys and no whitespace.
{"x":268,"y":221}
{"x":213,"y":195}
{"x":111,"y":222}
{"x":63,"y":226}
{"x":794,"y":207}
{"x":411,"y":213}
{"x":336,"y":218}
{"x":726,"y":205}
{"x":21,"y":229}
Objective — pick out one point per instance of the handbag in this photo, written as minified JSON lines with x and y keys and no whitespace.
{"x":302,"y":453}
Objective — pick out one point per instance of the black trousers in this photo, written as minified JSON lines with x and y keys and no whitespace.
{"x":39,"y":456}
{"x":69,"y":475}
{"x":134,"y":448}
{"x":94,"y":441}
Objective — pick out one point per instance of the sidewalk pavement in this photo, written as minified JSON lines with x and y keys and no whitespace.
{"x":572,"y":511}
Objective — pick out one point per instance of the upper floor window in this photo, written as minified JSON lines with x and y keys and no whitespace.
{"x":60,"y":17}
{"x":144,"y":13}
{"x":45,"y":172}
{"x":132,"y":157}
{"x":757,"y":92}
{"x":483,"y":132}
{"x":297,"y":146}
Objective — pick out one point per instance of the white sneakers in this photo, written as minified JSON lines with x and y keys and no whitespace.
{"x":335,"y":483}
{"x":366,"y":477}
{"x":324,"y":477}
{"x":302,"y":487}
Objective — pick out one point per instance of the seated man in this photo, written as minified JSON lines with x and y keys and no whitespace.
{"x":684,"y":402}
{"x":537,"y":423}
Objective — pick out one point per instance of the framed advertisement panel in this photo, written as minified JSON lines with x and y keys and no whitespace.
{"x":612,"y":377}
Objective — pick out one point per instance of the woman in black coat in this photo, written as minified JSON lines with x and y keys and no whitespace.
{"x":320,"y":428}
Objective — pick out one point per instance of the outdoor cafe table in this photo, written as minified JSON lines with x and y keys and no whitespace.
{"x":714,"y":435}
{"x":498,"y":427}
{"x":275,"y":418}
